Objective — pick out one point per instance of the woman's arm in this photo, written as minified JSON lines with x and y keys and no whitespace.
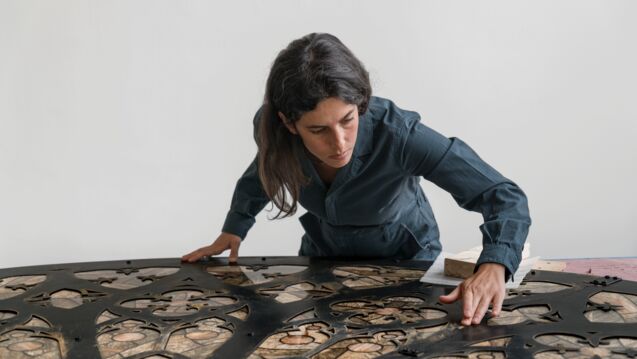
{"x":248,"y":200}
{"x":476,"y":186}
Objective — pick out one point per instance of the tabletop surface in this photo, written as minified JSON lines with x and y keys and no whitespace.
{"x":625,"y":268}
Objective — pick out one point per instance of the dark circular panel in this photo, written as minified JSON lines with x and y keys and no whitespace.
{"x":300,"y":307}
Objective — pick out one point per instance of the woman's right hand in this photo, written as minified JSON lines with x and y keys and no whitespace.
{"x":224,"y":242}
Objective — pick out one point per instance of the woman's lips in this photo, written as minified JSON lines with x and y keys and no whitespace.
{"x":340,"y":157}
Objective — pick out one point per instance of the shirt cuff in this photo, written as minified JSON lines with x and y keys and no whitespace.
{"x":501,"y":254}
{"x":237,"y":224}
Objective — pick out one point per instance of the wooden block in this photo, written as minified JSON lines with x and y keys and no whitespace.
{"x":461,"y":265}
{"x":554,"y":266}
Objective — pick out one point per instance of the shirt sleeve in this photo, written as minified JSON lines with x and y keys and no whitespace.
{"x":476,"y":186}
{"x":248,"y":199}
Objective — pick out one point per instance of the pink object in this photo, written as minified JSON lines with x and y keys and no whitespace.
{"x":624,"y":268}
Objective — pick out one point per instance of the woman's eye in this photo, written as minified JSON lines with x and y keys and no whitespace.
{"x":317,"y":131}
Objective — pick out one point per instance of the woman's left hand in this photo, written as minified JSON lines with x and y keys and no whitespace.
{"x":484,"y":287}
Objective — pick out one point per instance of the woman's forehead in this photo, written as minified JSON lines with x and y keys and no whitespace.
{"x":330,"y":110}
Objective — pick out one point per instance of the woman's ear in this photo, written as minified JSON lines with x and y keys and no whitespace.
{"x":290,"y":126}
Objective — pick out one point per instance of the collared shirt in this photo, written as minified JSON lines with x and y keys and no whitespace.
{"x":376,"y":207}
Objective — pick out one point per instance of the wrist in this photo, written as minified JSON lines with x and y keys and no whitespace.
{"x":492,"y":267}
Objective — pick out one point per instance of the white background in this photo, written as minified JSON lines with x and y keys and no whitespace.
{"x":125,"y":124}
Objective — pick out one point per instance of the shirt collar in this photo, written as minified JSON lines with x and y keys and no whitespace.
{"x":364,"y":137}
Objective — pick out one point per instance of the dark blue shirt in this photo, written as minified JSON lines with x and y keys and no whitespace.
{"x":375,"y":206}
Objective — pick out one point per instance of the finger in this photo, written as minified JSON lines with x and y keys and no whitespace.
{"x":214,"y":249}
{"x":451,"y":297}
{"x":187,"y":257}
{"x":196,"y":255}
{"x":468,"y":307}
{"x":481,"y":310}
{"x":497,"y":305}
{"x":234,"y":251}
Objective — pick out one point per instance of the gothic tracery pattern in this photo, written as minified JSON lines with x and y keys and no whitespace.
{"x":300,"y":307}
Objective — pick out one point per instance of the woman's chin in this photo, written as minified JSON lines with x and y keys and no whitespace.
{"x":339,"y":163}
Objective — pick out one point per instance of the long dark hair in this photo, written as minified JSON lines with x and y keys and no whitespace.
{"x":307,"y":71}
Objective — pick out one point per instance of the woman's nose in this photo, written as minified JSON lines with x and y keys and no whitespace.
{"x":339,"y":141}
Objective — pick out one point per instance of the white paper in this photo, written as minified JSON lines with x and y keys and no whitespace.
{"x":436,"y":273}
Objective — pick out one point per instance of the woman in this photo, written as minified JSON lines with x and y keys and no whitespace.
{"x":354,"y":162}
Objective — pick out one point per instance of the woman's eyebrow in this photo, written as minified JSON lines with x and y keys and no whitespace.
{"x":342,"y":119}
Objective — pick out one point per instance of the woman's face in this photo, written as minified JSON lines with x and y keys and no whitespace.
{"x":329,"y":131}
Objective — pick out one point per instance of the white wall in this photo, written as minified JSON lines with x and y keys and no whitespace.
{"x":125,"y":124}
